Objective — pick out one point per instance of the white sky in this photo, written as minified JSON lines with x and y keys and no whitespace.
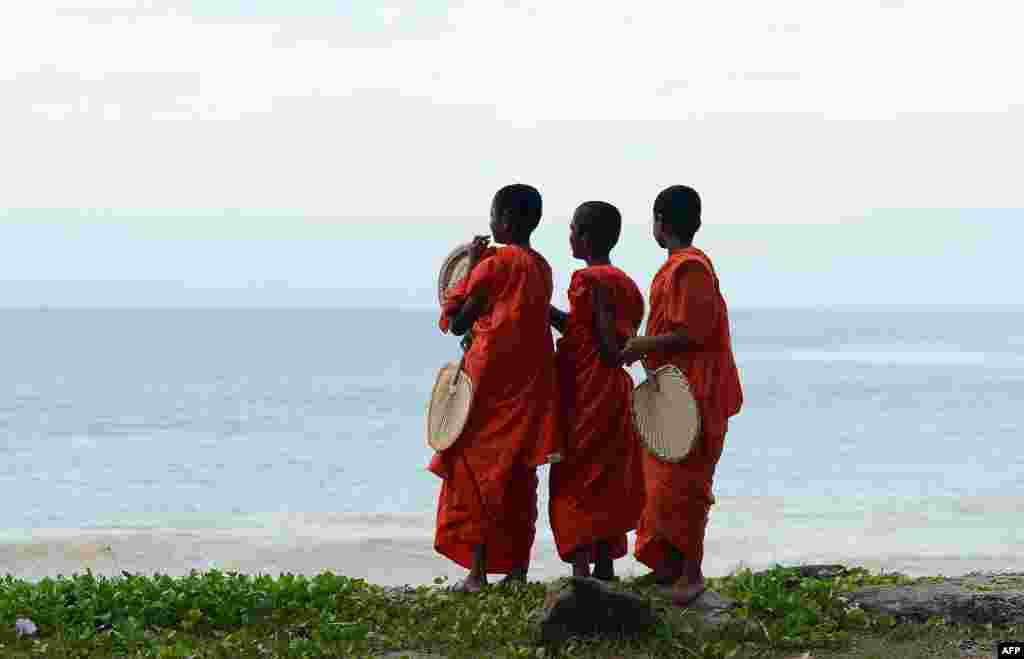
{"x":778,"y":112}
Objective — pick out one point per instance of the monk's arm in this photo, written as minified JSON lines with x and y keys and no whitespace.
{"x":604,"y":328}
{"x":693,"y":325}
{"x":558,"y":319}
{"x":468,"y":314}
{"x":676,"y":341}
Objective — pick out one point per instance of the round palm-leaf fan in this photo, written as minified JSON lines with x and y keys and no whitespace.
{"x":665,"y":414}
{"x":453,"y":270}
{"x":448,"y":410}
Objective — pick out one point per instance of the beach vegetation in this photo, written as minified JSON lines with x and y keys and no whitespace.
{"x":229,"y":615}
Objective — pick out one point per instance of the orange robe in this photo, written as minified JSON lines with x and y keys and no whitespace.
{"x":597,"y":493}
{"x":685,"y":294}
{"x":489,"y":490}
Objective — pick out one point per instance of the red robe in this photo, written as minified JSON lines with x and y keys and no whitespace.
{"x":685,"y":294}
{"x":489,"y":493}
{"x":597,"y":493}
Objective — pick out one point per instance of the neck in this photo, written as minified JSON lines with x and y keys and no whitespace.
{"x":524,"y":243}
{"x":598,"y":260}
{"x":673,"y":245}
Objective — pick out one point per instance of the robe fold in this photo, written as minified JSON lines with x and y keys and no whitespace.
{"x":489,"y":490}
{"x":597,"y":492}
{"x":685,"y":294}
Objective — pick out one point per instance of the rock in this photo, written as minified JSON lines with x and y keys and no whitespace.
{"x":712,"y":609}
{"x":582,"y":606}
{"x":711,"y":602}
{"x":715,"y":613}
{"x":975,"y":599}
{"x":993,"y":580}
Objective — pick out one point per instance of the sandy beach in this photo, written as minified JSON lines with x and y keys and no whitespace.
{"x":395,"y":549}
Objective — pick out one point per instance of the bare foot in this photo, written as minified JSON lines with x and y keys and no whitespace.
{"x":683,"y":593}
{"x":603,"y":567}
{"x":469,"y":585}
{"x":580,"y":565}
{"x":604,"y":570}
{"x":664,"y":575}
{"x":517,"y":576}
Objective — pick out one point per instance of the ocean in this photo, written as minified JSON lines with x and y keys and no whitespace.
{"x":871,"y":432}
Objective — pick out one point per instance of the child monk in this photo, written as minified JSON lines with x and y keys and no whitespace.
{"x":688,"y":327}
{"x":597,"y":492}
{"x":487,"y":509}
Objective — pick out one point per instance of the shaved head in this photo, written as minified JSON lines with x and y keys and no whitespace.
{"x":521,"y":205}
{"x":600,"y":223}
{"x":678,"y":208}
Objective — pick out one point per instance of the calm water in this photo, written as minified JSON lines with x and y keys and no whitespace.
{"x":147,"y":417}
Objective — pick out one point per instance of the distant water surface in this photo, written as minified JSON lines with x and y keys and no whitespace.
{"x":115,"y":418}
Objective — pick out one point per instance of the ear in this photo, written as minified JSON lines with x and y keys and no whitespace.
{"x":504,"y":221}
{"x":584,"y":239}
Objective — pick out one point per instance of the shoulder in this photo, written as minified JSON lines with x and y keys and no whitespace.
{"x":493,"y":269}
{"x":505,"y":259}
{"x":692,"y":269}
{"x":523,"y":258}
{"x":581,"y":281}
{"x":694,"y":259}
{"x":626,"y":289}
{"x":506,"y":253}
{"x":690,"y":261}
{"x":620,"y":277}
{"x":608,"y":278}
{"x":583,"y":275}
{"x":683,"y":271}
{"x":665,"y":272}
{"x":629,"y":285}
{"x":538,"y":258}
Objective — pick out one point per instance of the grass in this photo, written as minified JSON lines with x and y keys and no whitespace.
{"x":238,"y":616}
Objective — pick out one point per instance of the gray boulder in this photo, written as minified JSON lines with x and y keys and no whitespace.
{"x":583,"y":607}
{"x":712,"y":609}
{"x":974,"y":599}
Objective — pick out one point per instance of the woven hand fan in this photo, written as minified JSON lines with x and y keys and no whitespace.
{"x":665,"y":414}
{"x":454,"y":268}
{"x":450,"y":402}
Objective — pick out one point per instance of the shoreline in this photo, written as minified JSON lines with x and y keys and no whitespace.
{"x":398,"y":550}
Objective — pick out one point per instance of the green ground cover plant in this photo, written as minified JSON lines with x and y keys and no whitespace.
{"x":231,"y":615}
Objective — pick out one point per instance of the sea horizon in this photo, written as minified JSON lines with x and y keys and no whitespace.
{"x":260,"y":436}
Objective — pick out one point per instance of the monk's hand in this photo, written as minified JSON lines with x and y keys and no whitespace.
{"x":477,"y":248}
{"x":632,"y":352}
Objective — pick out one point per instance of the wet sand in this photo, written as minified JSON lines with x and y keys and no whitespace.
{"x":397,"y":549}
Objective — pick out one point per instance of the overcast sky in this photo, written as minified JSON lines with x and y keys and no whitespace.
{"x":358,"y":141}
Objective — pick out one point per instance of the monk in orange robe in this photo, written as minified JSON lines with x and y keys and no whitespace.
{"x":597,"y":492}
{"x":487,"y":509}
{"x":688,"y":327}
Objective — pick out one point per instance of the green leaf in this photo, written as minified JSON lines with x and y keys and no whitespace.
{"x":345,"y":631}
